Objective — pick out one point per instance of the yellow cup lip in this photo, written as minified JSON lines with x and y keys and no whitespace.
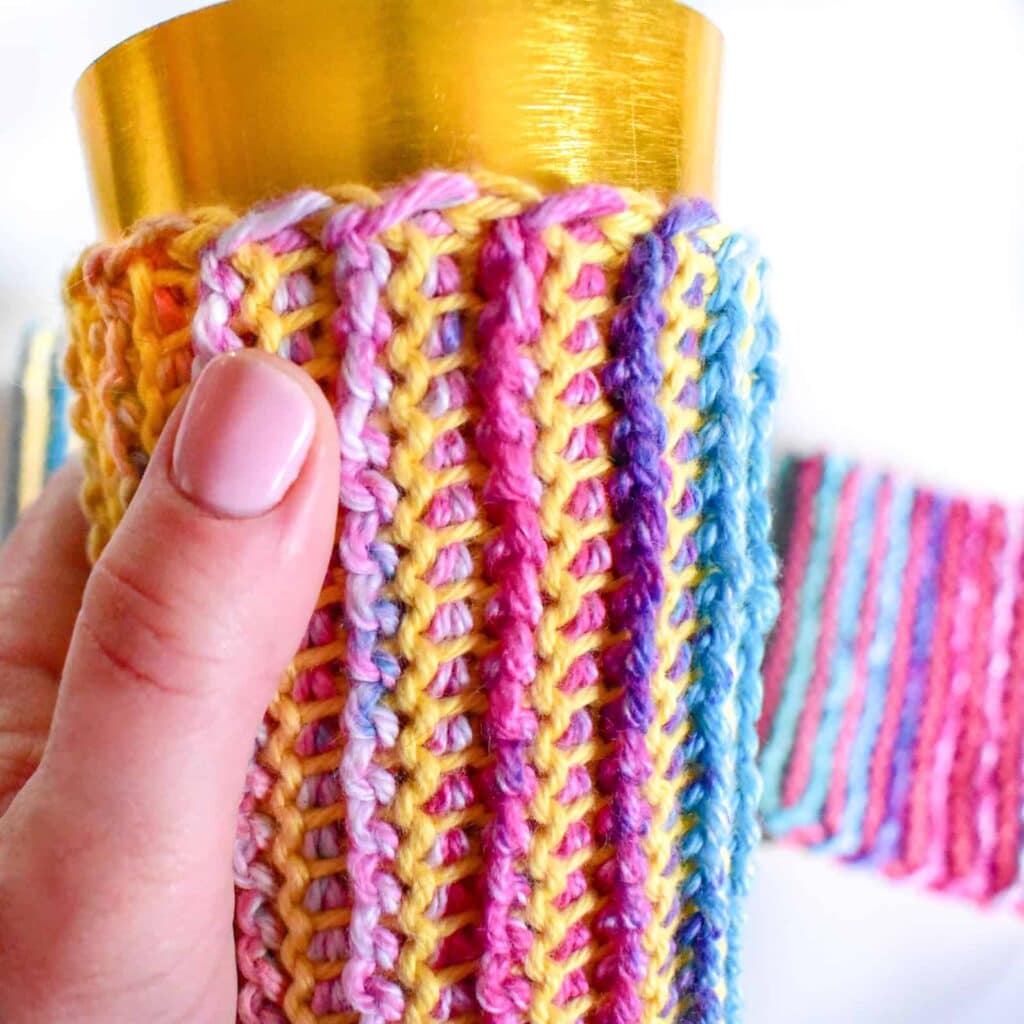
{"x":251,"y":98}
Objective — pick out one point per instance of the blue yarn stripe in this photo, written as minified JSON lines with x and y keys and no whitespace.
{"x":760,"y":607}
{"x":721,"y":548}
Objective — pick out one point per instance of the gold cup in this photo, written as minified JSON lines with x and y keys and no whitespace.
{"x":252,"y":98}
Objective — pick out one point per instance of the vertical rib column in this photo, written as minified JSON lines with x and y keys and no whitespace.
{"x":512,"y":261}
{"x":572,"y":463}
{"x":690,"y":273}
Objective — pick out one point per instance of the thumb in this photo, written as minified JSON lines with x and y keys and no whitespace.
{"x":194,"y":609}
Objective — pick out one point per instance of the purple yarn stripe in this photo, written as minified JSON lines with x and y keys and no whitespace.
{"x":638,"y":492}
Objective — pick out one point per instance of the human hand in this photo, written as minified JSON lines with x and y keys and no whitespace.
{"x":129,"y":701}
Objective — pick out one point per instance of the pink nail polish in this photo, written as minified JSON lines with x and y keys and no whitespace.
{"x":244,"y":436}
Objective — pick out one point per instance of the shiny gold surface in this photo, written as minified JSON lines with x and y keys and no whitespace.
{"x":254,"y":97}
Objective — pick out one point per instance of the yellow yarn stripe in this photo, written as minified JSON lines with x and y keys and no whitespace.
{"x":662,"y":793}
{"x":424,"y":711}
{"x":556,"y":653}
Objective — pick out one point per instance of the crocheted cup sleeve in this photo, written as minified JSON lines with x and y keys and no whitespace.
{"x":510,"y":775}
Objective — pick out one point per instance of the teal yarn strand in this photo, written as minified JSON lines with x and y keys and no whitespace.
{"x":805,"y":810}
{"x":776,"y":750}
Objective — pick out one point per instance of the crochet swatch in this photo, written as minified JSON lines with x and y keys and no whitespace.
{"x":510,"y":775}
{"x":894,"y":683}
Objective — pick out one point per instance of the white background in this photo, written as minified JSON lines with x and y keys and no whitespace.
{"x":877,"y":149}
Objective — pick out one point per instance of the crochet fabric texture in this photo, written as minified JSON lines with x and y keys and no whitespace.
{"x":893,"y":722}
{"x":510,"y":775}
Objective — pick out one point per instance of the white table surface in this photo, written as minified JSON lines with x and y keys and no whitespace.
{"x":878,"y":150}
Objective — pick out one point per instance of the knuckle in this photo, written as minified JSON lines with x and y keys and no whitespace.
{"x":126,"y":661}
{"x":143,"y":635}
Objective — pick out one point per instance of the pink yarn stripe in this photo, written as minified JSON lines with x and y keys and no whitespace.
{"x":512,"y":262}
{"x":511,"y":265}
{"x":934,"y":869}
{"x":803,"y":747}
{"x":980,"y":882}
{"x":1009,"y":771}
{"x":918,"y":813}
{"x":258,"y":931}
{"x":881,"y":761}
{"x":835,"y":802}
{"x":964,"y":794}
{"x":780,"y":649}
{"x":362,"y":327}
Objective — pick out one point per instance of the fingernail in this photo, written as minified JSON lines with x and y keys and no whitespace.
{"x":244,"y":436}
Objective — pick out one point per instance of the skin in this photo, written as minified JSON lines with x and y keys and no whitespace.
{"x":129,"y":699}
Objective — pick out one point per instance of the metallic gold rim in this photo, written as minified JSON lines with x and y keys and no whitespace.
{"x":255,"y":97}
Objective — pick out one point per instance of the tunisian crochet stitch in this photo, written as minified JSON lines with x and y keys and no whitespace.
{"x":510,"y":775}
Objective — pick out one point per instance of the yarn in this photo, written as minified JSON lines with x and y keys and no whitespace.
{"x":510,"y":774}
{"x":760,"y":604}
{"x":905,"y":753}
{"x":38,"y":436}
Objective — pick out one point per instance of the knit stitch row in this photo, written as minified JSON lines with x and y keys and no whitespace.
{"x":510,"y":775}
{"x":893,"y":722}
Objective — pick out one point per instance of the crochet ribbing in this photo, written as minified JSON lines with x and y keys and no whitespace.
{"x":510,"y":775}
